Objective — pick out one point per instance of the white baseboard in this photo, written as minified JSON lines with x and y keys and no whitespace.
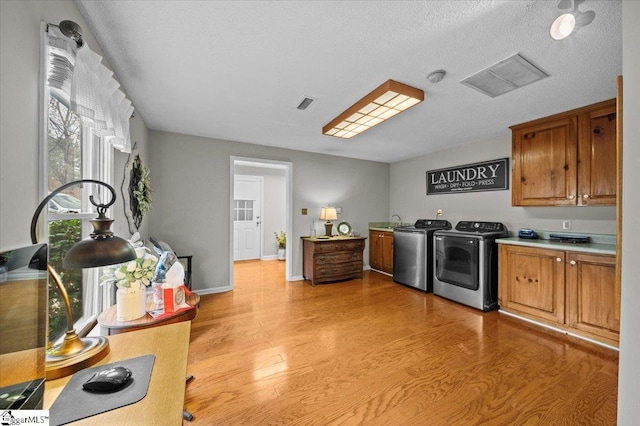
{"x":559,"y":330}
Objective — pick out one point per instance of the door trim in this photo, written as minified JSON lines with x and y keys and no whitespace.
{"x":261,"y":162}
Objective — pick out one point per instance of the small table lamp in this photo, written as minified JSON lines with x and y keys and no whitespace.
{"x":328,"y":214}
{"x":103,"y":248}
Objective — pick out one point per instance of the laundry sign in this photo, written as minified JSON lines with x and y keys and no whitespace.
{"x":485,"y":176}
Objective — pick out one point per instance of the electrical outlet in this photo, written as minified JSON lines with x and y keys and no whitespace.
{"x":304,"y":211}
{"x":338,"y":210}
{"x":566,"y":225}
{"x":438,"y":212}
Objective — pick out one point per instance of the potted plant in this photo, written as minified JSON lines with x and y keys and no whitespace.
{"x":132,"y":279}
{"x":281,"y":239}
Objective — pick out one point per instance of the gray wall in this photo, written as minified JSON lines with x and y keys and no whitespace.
{"x":408,"y":195}
{"x":191,"y":212}
{"x":629,"y":370}
{"x":19,"y":122}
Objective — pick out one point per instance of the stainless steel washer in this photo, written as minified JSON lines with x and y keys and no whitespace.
{"x":466,"y":263}
{"x":413,"y":253}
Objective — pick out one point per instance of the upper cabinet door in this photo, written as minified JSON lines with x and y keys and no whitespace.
{"x":566,"y":159}
{"x":597,"y":156}
{"x":544,"y":158}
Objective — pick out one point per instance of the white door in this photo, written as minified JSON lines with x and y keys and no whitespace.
{"x":247,"y":224}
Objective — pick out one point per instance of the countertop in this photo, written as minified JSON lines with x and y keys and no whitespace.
{"x":599,"y":246}
{"x":386,"y":226}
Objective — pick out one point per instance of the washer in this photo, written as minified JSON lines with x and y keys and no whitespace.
{"x":465,"y":267}
{"x":413,"y":253}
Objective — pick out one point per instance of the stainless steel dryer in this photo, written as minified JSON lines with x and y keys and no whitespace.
{"x":413,"y":253}
{"x":466,"y":263}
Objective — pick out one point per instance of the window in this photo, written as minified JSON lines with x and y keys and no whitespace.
{"x":243,"y":210}
{"x":73,"y":152}
{"x":77,"y":147}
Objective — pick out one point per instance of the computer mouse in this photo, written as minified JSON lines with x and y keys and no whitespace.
{"x":108,"y":380}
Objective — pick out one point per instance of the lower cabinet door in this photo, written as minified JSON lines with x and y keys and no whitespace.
{"x":593,"y":303}
{"x":532,"y":282}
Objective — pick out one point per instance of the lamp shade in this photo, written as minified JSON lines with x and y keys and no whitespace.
{"x":103,"y":248}
{"x":328,"y":213}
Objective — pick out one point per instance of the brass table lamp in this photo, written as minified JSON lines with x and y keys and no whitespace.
{"x":328,"y":214}
{"x":101,"y":249}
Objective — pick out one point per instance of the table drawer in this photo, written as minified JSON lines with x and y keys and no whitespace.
{"x":333,"y":246}
{"x":339,"y":257}
{"x":328,"y":270}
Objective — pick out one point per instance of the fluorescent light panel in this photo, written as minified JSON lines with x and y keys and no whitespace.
{"x":384,"y":102}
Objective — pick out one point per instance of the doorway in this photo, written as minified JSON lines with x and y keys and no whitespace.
{"x":275,"y":211}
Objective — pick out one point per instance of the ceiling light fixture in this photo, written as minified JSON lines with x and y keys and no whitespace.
{"x":570,"y":22}
{"x":387,"y":100}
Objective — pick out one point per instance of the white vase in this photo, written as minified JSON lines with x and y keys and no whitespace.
{"x":282,"y":254}
{"x":130,"y":305}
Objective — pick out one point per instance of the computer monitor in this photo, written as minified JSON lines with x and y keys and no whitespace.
{"x":23,"y":326}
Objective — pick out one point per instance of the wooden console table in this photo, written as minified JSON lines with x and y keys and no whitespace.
{"x":109,"y":324}
{"x":164,"y":401}
{"x":332,"y":259}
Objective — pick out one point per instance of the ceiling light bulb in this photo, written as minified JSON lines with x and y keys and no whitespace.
{"x":562,"y":26}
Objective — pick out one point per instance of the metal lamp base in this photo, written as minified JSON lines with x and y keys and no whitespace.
{"x":328,"y":228}
{"x":87,"y":351}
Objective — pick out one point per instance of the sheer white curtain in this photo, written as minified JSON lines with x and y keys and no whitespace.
{"x":89,"y":86}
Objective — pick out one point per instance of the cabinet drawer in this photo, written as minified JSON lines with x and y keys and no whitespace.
{"x":339,"y":257}
{"x":334,"y":246}
{"x":329,"y":270}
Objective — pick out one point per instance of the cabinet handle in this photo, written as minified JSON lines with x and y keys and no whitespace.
{"x":585,"y":196}
{"x":597,"y":130}
{"x":573,"y":262}
{"x":558,"y":259}
{"x":571,"y":197}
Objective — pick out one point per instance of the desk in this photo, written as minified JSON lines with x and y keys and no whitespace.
{"x":165,"y":398}
{"x":109,"y":324}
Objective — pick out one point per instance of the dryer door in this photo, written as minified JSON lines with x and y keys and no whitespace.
{"x":458,"y":261}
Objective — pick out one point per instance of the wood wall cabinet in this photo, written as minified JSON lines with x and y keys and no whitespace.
{"x":334,"y":259}
{"x":381,"y":250}
{"x":573,"y":291}
{"x":566,"y":159}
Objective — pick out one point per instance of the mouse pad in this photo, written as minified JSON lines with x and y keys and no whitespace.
{"x":75,"y":403}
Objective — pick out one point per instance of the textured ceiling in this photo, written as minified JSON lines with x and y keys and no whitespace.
{"x":236,"y":70}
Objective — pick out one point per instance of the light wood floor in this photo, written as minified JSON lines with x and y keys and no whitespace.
{"x":373,"y":352}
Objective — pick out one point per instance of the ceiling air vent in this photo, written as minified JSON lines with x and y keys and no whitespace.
{"x":304,"y":104}
{"x":505,"y":76}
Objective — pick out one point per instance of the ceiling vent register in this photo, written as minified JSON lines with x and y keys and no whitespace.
{"x":505,"y":76}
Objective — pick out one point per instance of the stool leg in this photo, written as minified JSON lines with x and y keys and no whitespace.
{"x":185,"y":414}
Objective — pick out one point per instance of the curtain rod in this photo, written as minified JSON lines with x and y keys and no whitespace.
{"x":71,"y":30}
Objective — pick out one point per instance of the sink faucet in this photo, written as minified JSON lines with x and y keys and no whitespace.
{"x":395,"y":215}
